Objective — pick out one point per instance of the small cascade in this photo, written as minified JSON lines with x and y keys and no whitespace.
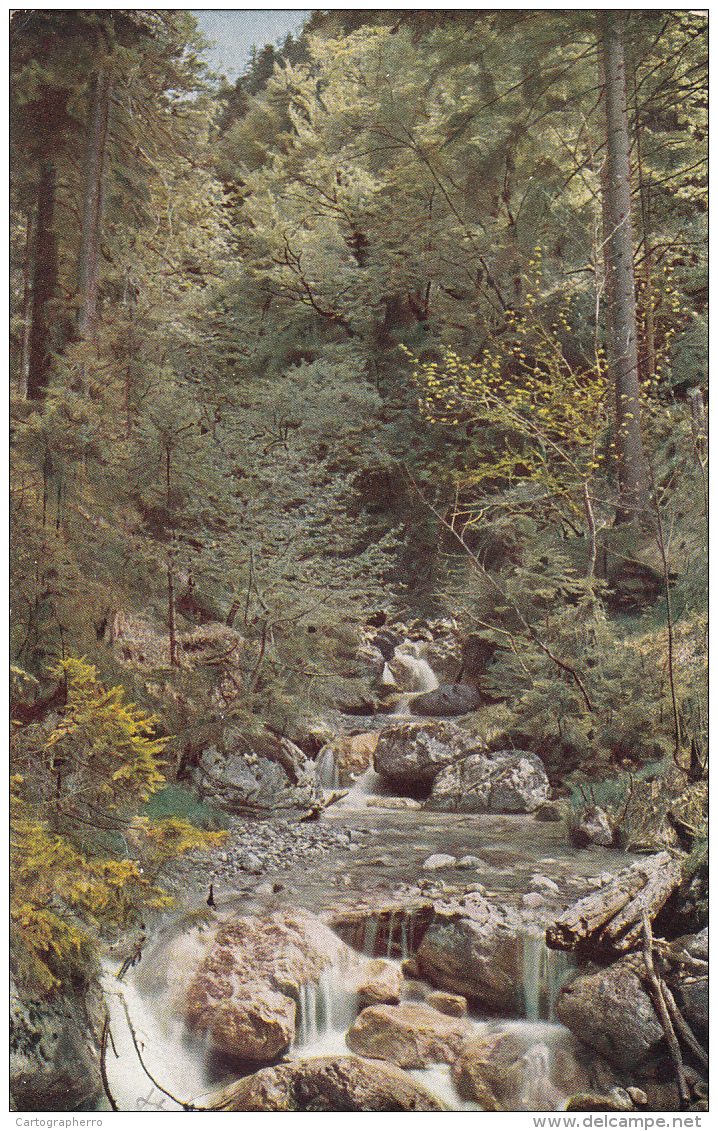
{"x":422,"y":674}
{"x":538,"y":1092}
{"x":394,"y":932}
{"x":326,"y":768}
{"x":367,"y":785}
{"x":543,"y":973}
{"x":371,"y":926}
{"x":326,"y":1009}
{"x":390,"y":934}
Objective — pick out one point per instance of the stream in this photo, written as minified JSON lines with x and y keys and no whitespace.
{"x":154,"y":1062}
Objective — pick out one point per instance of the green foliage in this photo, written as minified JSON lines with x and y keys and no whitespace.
{"x":80,"y":776}
{"x":61,"y":901}
{"x":177,"y":801}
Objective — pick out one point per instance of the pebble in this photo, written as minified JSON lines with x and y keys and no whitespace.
{"x":276,"y":845}
{"x":439,"y":860}
{"x":532,"y":899}
{"x":539,"y":881}
{"x":469,"y":862}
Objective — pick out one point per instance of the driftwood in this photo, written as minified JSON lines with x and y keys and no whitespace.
{"x":659,"y":1004}
{"x":610,"y":920}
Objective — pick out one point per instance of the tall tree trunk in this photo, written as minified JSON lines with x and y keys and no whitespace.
{"x":174,"y":662}
{"x":88,"y":264}
{"x":623,"y":347}
{"x":44,"y":278}
{"x":26,"y":310}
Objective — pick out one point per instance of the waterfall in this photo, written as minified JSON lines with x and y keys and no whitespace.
{"x":326,"y":768}
{"x":543,"y":973}
{"x":365,"y":786}
{"x":326,"y":1009}
{"x":422,"y":675}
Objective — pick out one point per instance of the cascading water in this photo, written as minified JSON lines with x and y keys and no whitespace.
{"x":368,"y":785}
{"x":326,"y":1010}
{"x":543,"y":974}
{"x":422,"y":675}
{"x":149,"y":1053}
{"x":326,"y":768}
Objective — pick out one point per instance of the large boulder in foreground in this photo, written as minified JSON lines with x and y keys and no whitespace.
{"x":411,"y":1035}
{"x":342,"y":1083}
{"x":612,"y":1012}
{"x":478,"y":955}
{"x":410,"y":756}
{"x":504,"y":781}
{"x":258,"y":775}
{"x":245,"y":996}
{"x":448,"y":699}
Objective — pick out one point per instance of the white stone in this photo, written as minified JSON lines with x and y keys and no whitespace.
{"x":439,"y":860}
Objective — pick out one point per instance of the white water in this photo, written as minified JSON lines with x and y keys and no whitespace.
{"x":166,"y":1053}
{"x":423,"y":677}
{"x":175,"y":1061}
{"x":543,"y":974}
{"x":367,"y":785}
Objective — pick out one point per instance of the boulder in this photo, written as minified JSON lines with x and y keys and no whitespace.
{"x":476,"y":955}
{"x":611,"y":1011}
{"x":381,"y":985}
{"x":453,"y":1005}
{"x":258,"y":775}
{"x":528,"y":1068}
{"x":245,"y":994}
{"x":592,"y":827}
{"x":54,"y":1051}
{"x":343,"y":1083}
{"x":505,"y":781}
{"x":411,"y":755}
{"x":448,"y":699}
{"x":411,"y":1035}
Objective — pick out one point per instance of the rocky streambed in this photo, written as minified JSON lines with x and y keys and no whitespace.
{"x":382,"y":959}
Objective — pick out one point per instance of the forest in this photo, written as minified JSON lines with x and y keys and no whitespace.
{"x":397,"y":346}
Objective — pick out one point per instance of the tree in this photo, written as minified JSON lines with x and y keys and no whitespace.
{"x":80,"y":774}
{"x":618,"y":239}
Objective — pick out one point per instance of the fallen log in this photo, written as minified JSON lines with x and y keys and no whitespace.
{"x":610,"y":920}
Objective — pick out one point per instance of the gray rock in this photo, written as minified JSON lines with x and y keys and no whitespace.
{"x":592,"y":827}
{"x":248,"y":862}
{"x":476,"y":955}
{"x":410,"y":756}
{"x":508,"y":781}
{"x":549,"y":811}
{"x":533,"y":899}
{"x":467,"y":862}
{"x":612,"y":1012}
{"x":258,"y":775}
{"x":449,"y":699}
{"x":543,"y":883}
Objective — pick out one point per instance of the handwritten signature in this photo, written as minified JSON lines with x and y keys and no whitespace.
{"x":147,"y":1101}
